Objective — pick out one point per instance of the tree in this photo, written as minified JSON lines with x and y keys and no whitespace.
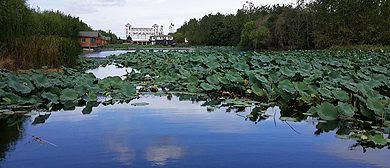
{"x":254,"y":36}
{"x":178,"y":37}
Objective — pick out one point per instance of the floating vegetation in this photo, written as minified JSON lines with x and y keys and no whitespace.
{"x":331,"y":85}
{"x":21,"y":93}
{"x":342,"y":89}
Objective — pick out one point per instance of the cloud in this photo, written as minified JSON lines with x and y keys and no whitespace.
{"x":90,"y":6}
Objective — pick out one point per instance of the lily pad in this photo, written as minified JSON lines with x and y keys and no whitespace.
{"x":345,"y":109}
{"x":326,"y":111}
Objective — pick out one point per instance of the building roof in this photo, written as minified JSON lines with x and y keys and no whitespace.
{"x":93,"y":34}
{"x":128,"y":24}
{"x":142,"y":28}
{"x":88,"y":34}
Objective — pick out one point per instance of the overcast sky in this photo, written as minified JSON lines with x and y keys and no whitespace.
{"x":114,"y":14}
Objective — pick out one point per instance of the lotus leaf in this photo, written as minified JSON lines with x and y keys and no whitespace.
{"x":193,"y":80}
{"x":30,"y":100}
{"x":325,"y":92}
{"x":50,"y":96}
{"x":345,"y":109}
{"x":19,"y":87}
{"x":41,"y":81}
{"x":41,"y":119}
{"x":365,"y":111}
{"x":376,"y":105}
{"x":89,"y":106}
{"x":262,"y":79}
{"x":80,"y":89}
{"x":207,"y":86}
{"x":286,"y":71}
{"x":301,"y":87}
{"x":213,"y":80}
{"x":257,"y":90}
{"x":92,"y":97}
{"x":128,"y":90}
{"x":287,"y":86}
{"x":223,"y":80}
{"x":326,"y":111}
{"x":378,"y":139}
{"x":30,"y":114}
{"x":192,"y":88}
{"x":340,"y":95}
{"x":69,"y":94}
{"x":11,"y":96}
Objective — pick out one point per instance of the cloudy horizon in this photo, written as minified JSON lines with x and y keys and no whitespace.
{"x":115,"y":14}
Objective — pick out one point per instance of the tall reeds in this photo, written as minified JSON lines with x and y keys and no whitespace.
{"x":38,"y":51}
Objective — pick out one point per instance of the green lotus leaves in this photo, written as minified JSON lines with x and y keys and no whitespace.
{"x":88,"y":108}
{"x":365,"y":111}
{"x":326,"y":111}
{"x":193,"y":80}
{"x":287,"y":86}
{"x":192,"y":88}
{"x":301,"y":87}
{"x":223,"y":80}
{"x":129,"y":90}
{"x":288,"y":72}
{"x":213,"y":80}
{"x":378,"y":139}
{"x":69,"y":94}
{"x":340,"y":95}
{"x":376,"y":105}
{"x":345,"y":109}
{"x":207,"y":86}
{"x":325,"y":92}
{"x":257,"y":90}
{"x":41,"y":81}
{"x":91,"y":97}
{"x":50,"y":96}
{"x":262,"y":79}
{"x":19,"y":87}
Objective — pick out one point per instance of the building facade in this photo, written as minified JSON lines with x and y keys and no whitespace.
{"x":166,"y":40}
{"x":92,"y":39}
{"x":143,"y":36}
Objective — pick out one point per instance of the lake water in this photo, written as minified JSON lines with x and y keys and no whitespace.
{"x":173,"y":133}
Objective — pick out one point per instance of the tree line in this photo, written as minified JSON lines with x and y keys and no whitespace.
{"x":31,"y":38}
{"x":315,"y":24}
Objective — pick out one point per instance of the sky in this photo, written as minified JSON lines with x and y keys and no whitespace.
{"x":115,"y":14}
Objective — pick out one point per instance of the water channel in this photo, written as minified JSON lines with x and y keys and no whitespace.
{"x":174,"y":131}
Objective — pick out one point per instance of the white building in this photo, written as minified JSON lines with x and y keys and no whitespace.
{"x":141,"y":35}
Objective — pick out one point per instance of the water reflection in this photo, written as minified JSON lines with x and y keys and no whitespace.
{"x":122,"y":153}
{"x":109,"y":70}
{"x":164,"y":150}
{"x":175,"y":133}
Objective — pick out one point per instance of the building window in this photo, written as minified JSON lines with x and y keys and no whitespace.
{"x":83,"y":40}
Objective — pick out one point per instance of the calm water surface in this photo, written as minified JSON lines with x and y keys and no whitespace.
{"x":173,"y":133}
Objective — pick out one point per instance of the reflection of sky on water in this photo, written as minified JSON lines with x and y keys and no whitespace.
{"x":181,"y":134}
{"x":109,"y":70}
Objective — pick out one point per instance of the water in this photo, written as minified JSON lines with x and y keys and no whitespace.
{"x":173,"y":133}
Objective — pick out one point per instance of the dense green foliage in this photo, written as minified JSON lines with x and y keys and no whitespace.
{"x":314,"y":80}
{"x":314,"y":24}
{"x":21,"y":93}
{"x":350,"y":90}
{"x":31,"y":38}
